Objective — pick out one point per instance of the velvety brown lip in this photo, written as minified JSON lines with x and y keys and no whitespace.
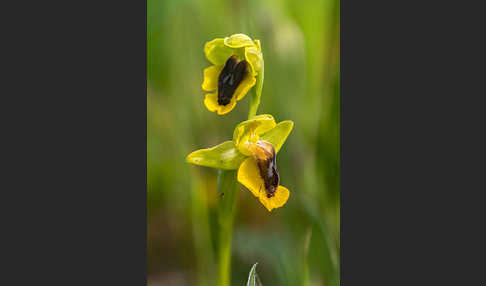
{"x":229,"y":79}
{"x":267,"y":166}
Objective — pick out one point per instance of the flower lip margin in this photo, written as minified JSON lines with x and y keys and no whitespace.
{"x":248,"y":175}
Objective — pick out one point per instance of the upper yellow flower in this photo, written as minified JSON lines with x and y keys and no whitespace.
{"x":236,"y":60}
{"x":253,"y":152}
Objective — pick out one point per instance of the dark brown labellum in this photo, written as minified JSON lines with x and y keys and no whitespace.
{"x":268,"y":171}
{"x":229,"y":79}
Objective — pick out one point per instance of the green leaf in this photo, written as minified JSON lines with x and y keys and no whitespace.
{"x":223,"y":156}
{"x":278,"y":134}
{"x":252,"y":276}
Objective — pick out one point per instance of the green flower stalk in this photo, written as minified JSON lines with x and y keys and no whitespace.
{"x":251,"y":157}
{"x":227,"y":189}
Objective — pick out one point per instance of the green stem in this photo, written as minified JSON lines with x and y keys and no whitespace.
{"x":255,"y":96}
{"x":227,"y":191}
{"x":201,"y":231}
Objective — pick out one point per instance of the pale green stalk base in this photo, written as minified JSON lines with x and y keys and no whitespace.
{"x":227,"y":191}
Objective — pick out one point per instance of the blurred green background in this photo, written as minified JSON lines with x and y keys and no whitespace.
{"x":297,"y":244}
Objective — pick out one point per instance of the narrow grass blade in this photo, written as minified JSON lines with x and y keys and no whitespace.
{"x":252,"y":276}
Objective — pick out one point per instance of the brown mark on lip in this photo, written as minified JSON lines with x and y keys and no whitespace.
{"x":229,"y":79}
{"x":267,"y":164}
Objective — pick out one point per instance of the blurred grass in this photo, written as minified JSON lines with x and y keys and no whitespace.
{"x":300,"y":42}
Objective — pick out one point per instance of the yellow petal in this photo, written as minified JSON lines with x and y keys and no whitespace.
{"x":254,"y":57}
{"x":217,"y":52}
{"x":245,"y":85}
{"x":223,"y":109}
{"x":248,"y":131}
{"x":244,"y":140}
{"x":211,"y":76}
{"x":238,"y":41}
{"x":249,"y":176}
{"x":279,"y":199}
{"x":258,"y":45}
{"x":211,"y":101}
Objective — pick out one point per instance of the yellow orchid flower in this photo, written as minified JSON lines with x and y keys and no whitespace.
{"x":253,"y":152}
{"x":236,"y":60}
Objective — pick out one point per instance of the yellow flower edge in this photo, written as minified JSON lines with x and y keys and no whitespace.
{"x":236,"y":41}
{"x":254,"y":58}
{"x":211,"y":76}
{"x":261,"y":127}
{"x":211,"y":103}
{"x":247,"y":132}
{"x":219,"y":50}
{"x":249,"y":176}
{"x":259,"y":124}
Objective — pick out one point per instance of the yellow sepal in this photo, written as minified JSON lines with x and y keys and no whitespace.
{"x":247,"y":132}
{"x":238,"y":41}
{"x":217,"y":52}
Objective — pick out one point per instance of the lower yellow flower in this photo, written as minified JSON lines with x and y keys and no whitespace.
{"x":236,"y":60}
{"x":253,"y":152}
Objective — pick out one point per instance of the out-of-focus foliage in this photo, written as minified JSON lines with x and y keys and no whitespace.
{"x":297,"y":244}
